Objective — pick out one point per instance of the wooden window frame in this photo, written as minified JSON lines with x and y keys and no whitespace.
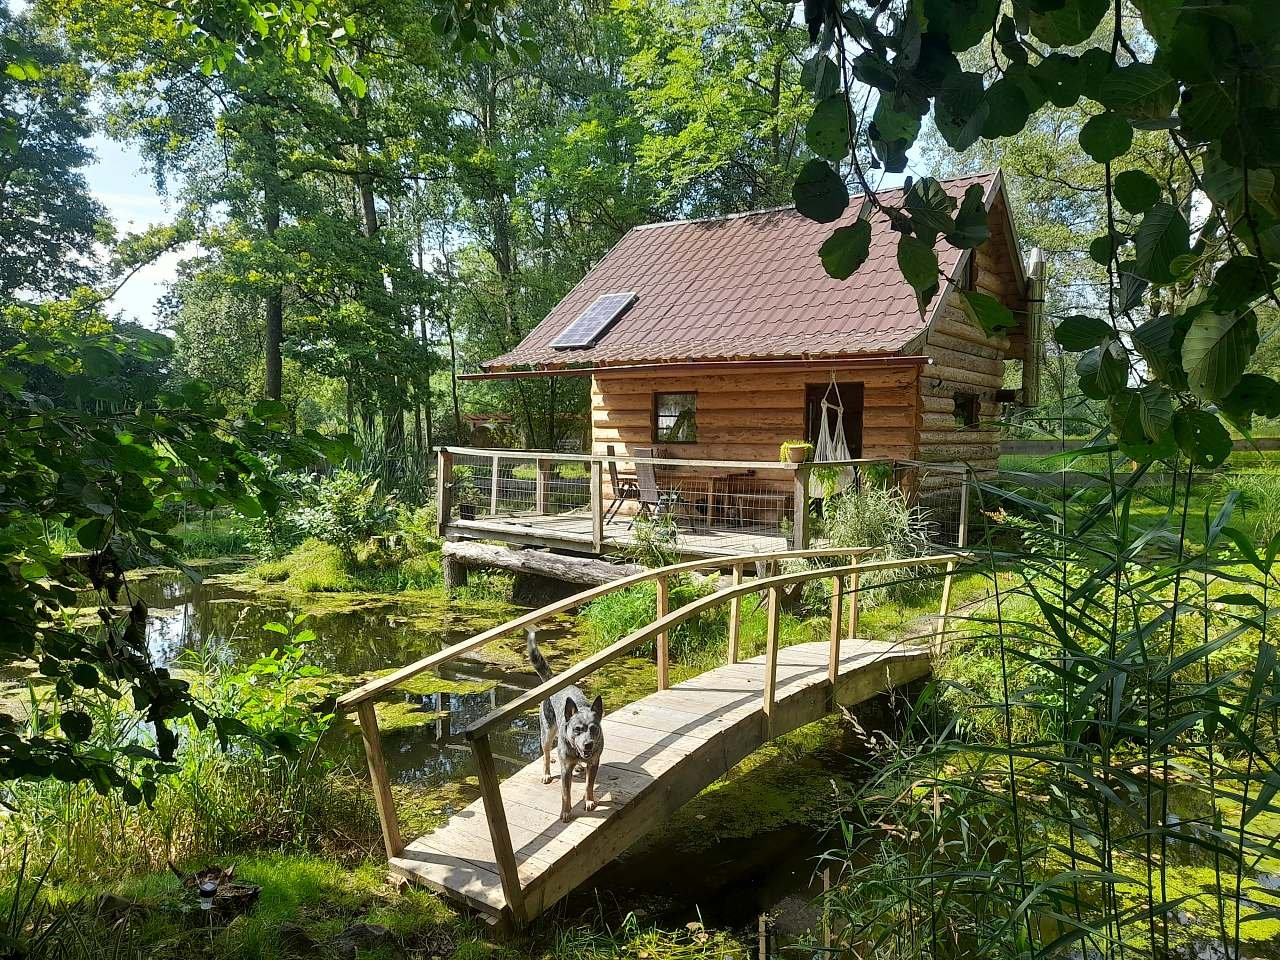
{"x":966,"y":402}
{"x":653,"y":415}
{"x":968,"y":280}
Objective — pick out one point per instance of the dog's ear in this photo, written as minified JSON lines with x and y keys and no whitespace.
{"x":570,"y":708}
{"x":598,"y":707}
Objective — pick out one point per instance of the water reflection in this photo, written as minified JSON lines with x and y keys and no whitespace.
{"x":354,"y":636}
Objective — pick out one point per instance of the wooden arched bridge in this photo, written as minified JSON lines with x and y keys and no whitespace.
{"x":510,"y":857}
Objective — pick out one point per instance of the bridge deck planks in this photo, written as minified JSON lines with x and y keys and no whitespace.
{"x":659,"y":752}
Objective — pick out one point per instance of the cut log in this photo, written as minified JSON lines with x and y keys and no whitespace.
{"x":584,"y":570}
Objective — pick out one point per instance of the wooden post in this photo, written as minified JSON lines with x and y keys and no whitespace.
{"x":444,"y":490}
{"x":771,"y":658}
{"x":660,"y":641}
{"x":962,"y":541}
{"x":833,"y":656}
{"x":382,"y":799}
{"x":853,"y":606}
{"x":493,"y":485}
{"x":735,"y":615}
{"x":597,"y":506}
{"x":540,"y":488}
{"x":800,"y":509}
{"x":943,"y":608}
{"x":499,"y":832}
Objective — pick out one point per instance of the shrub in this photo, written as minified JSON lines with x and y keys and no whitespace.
{"x":348,"y":509}
{"x":1260,"y":492}
{"x":880,"y":517}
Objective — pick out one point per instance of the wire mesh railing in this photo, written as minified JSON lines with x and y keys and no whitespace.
{"x":672,"y":506}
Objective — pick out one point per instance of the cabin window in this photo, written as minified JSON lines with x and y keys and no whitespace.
{"x":968,"y":408}
{"x":675,"y":417}
{"x":969,"y":275}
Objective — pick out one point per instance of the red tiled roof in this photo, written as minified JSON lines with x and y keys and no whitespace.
{"x":749,"y":286}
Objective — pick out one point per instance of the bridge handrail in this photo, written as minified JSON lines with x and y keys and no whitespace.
{"x":526,"y":701}
{"x":352,"y":699}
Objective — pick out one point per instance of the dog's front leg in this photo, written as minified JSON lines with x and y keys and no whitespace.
{"x":548,"y":741}
{"x":566,"y":781}
{"x":590,"y":803}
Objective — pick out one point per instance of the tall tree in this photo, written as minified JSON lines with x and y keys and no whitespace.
{"x":49,"y":223}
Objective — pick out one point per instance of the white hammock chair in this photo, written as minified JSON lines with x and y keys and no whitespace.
{"x":831,"y":447}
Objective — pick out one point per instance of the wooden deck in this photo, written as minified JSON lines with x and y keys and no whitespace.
{"x":573,"y":531}
{"x":659,"y":752}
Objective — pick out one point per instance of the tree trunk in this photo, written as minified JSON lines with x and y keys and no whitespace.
{"x":275,"y":310}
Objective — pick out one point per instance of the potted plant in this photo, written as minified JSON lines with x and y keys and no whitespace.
{"x":795,"y":451}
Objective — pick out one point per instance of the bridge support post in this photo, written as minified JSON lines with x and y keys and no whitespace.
{"x":382,"y":799}
{"x":962,"y":541}
{"x":499,"y":832}
{"x":660,"y":641}
{"x":833,"y":657}
{"x":735,"y":615}
{"x":771,"y":659}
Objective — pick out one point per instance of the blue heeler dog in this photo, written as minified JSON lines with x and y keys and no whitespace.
{"x":572,"y":725}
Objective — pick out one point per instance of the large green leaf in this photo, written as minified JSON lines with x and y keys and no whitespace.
{"x":919,"y":266}
{"x":1159,"y":342}
{"x":1104,"y":370}
{"x":971,"y":228}
{"x":1007,"y":109}
{"x":1139,"y":91}
{"x":827,"y":131}
{"x":819,"y":192}
{"x":964,"y":22}
{"x":930,"y":206}
{"x":1162,"y":238}
{"x":894,"y":119}
{"x":1106,"y":136}
{"x":1081,"y":332}
{"x":846,"y":249}
{"x":1136,"y":191}
{"x":993,"y":316}
{"x":1071,"y":23}
{"x":1216,"y":351}
{"x":960,"y":110}
{"x":1202,"y":437}
{"x":1240,"y":281}
{"x":1254,"y":394}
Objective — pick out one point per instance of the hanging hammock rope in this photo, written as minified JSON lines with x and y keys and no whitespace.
{"x":832,"y":446}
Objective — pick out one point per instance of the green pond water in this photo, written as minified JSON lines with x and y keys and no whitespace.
{"x":744,"y":848}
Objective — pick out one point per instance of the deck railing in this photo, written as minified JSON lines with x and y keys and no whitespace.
{"x":846,"y":585}
{"x":596,"y":500}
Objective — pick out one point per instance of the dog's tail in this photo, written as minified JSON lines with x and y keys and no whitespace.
{"x":536,"y":658}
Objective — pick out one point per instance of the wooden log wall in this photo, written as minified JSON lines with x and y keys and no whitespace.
{"x":748,"y":414}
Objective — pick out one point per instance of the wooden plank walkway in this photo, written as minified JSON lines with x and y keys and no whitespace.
{"x":659,"y":752}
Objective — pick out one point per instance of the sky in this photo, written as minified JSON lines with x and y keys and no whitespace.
{"x":120,"y":182}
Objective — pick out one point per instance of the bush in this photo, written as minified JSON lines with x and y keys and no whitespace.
{"x":348,"y":509}
{"x":1260,"y":492}
{"x":254,"y":777}
{"x":881,"y":518}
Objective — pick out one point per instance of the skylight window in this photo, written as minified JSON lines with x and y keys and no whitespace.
{"x":592,"y":323}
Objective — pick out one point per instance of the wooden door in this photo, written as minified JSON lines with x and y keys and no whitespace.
{"x":850,"y":398}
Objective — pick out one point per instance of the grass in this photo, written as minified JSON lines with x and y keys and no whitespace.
{"x":315,"y":567}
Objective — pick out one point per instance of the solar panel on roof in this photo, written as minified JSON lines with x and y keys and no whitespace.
{"x":591,"y":324}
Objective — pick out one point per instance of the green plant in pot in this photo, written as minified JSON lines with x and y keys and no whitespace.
{"x":795,"y":451}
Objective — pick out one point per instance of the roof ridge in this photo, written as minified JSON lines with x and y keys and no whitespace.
{"x":791,"y":206}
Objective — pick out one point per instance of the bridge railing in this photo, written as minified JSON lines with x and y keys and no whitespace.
{"x":845,"y":583}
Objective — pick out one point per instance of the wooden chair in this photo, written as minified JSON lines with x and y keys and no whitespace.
{"x":654,"y":503}
{"x":624,"y":488}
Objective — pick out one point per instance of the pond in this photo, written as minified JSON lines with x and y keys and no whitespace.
{"x":738,"y":877}
{"x":724,"y":862}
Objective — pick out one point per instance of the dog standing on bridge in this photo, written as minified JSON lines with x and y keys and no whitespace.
{"x":572,"y":725}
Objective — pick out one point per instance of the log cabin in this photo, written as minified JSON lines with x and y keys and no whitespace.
{"x":717,"y":339}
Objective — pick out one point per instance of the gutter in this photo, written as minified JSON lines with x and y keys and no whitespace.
{"x":703,"y":366}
